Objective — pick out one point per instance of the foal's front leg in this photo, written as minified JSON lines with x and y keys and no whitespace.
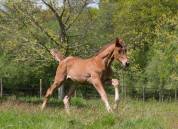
{"x":115,"y":83}
{"x":96,"y":81}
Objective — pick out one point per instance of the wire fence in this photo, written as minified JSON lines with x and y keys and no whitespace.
{"x":141,"y":93}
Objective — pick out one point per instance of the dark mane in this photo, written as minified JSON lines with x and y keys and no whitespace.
{"x":102,"y":49}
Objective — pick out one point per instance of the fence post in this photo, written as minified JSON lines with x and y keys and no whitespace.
{"x":61,"y":92}
{"x":123,"y":87}
{"x":170,"y":96}
{"x":143,"y":92}
{"x":40,"y":88}
{"x":75,"y":93}
{"x":159,"y":95}
{"x":175,"y":93}
{"x":162,"y":95}
{"x":125,"y":91}
{"x":1,"y":92}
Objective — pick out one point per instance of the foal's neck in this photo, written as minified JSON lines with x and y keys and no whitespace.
{"x":107,"y":56}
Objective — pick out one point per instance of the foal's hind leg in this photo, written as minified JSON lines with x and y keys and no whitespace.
{"x":57,"y":83}
{"x":67,"y":98}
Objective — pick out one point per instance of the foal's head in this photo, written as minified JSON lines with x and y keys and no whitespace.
{"x":120,"y":52}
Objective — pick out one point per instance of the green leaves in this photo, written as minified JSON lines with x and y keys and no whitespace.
{"x":149,"y":28}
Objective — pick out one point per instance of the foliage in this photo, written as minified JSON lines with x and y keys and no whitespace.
{"x":149,"y":28}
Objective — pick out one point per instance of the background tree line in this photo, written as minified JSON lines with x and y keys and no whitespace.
{"x":149,"y":28}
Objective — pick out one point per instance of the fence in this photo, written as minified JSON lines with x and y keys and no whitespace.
{"x":21,"y":91}
{"x":143,"y":93}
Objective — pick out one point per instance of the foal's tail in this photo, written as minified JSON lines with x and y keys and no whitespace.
{"x":57,"y":55}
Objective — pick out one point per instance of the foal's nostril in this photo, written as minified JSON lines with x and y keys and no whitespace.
{"x":127,"y":64}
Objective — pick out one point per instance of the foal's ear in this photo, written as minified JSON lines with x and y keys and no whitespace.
{"x":118,"y":42}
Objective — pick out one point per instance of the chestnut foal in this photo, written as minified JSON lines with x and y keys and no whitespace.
{"x":95,"y":70}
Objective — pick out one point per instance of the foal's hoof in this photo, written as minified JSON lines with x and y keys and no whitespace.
{"x":42,"y":107}
{"x":110,"y":110}
{"x":115,"y":107}
{"x":67,"y":110}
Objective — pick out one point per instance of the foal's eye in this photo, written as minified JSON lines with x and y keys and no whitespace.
{"x":120,"y":51}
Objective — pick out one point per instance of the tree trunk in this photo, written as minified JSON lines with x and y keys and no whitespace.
{"x":1,"y":88}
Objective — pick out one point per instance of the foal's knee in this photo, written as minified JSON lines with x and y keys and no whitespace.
{"x":115,"y":82}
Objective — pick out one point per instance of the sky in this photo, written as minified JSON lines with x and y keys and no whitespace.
{"x":94,"y":4}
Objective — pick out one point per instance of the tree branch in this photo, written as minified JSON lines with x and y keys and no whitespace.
{"x":59,"y":19}
{"x":81,"y":10}
{"x":52,"y":9}
{"x":35,"y":22}
{"x":70,"y":10}
{"x":63,"y":10}
{"x":43,"y":30}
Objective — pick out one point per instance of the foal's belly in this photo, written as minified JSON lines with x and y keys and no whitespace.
{"x":80,"y":77}
{"x":80,"y":74}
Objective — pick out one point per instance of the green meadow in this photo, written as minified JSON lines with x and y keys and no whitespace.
{"x":24,"y":113}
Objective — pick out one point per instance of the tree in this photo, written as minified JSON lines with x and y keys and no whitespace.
{"x":30,"y":33}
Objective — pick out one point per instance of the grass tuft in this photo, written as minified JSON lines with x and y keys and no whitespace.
{"x":79,"y":102}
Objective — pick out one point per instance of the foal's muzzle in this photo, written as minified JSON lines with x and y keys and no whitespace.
{"x":126,"y":64}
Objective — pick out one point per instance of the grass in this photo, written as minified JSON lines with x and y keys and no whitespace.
{"x":24,"y":113}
